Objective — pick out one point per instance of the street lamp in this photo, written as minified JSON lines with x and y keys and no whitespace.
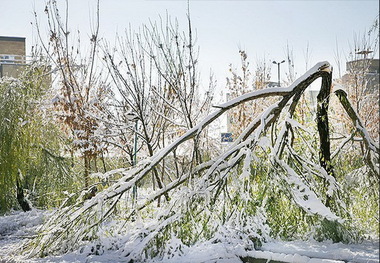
{"x":364,"y":52}
{"x":132,"y":116}
{"x":278,"y":69}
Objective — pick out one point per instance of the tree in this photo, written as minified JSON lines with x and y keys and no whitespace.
{"x":360,"y":81}
{"x":359,"y":87}
{"x":226,"y":200}
{"x":243,"y":82}
{"x":155,"y":73}
{"x":81,"y":88}
{"x":29,"y":142}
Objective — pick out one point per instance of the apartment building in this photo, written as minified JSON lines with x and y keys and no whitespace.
{"x":12,"y":56}
{"x":366,"y":71}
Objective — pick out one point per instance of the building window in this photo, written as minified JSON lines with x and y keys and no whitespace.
{"x":7,"y":59}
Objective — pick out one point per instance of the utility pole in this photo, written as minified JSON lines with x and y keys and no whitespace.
{"x":131,"y":116}
{"x":278,"y":69}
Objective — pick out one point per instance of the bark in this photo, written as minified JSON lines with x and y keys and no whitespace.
{"x":155,"y":173}
{"x":21,"y":199}
{"x":368,"y":142}
{"x":323,"y":128}
{"x":86,"y":173}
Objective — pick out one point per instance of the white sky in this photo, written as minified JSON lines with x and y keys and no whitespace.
{"x":262,"y":28}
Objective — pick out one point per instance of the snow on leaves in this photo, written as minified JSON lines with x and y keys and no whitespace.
{"x":215,"y":198}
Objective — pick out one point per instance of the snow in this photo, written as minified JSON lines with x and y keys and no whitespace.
{"x":276,"y":91}
{"x":368,"y":251}
{"x":304,"y":196}
{"x":18,"y":226}
{"x":21,"y":225}
{"x":121,"y":246}
{"x":254,"y":95}
{"x":142,"y":169}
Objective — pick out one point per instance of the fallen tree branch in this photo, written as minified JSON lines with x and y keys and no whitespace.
{"x":372,"y":153}
{"x":72,"y":222}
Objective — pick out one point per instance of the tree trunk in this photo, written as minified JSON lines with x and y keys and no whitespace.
{"x":323,"y":129}
{"x":86,"y":170}
{"x":368,"y":143}
{"x":25,"y":205}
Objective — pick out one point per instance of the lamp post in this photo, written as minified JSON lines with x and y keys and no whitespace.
{"x":131,"y":116}
{"x":278,"y":69}
{"x":364,"y":53}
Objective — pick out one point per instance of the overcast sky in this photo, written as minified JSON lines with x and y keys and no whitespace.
{"x":262,"y":28}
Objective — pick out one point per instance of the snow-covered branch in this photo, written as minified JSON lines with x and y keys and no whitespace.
{"x":208,"y":180}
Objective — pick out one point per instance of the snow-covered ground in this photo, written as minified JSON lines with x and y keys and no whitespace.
{"x":18,"y":226}
{"x":366,"y":251}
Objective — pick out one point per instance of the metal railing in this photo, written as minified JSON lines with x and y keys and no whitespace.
{"x":13,"y":59}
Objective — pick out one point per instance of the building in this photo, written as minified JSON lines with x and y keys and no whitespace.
{"x":371,"y":65}
{"x":365,"y":70}
{"x":12,"y":56}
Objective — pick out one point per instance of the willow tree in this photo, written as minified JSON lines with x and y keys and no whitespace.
{"x":29,"y":141}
